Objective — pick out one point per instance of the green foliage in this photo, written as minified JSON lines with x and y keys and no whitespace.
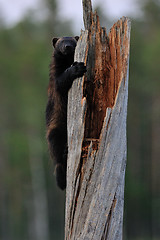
{"x":144,"y":88}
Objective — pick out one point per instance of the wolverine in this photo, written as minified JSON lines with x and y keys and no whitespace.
{"x":63,"y":71}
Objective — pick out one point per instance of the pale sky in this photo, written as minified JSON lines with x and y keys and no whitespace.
{"x":13,"y":10}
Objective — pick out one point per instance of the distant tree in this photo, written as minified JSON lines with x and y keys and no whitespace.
{"x":143,"y":126}
{"x":24,"y":165}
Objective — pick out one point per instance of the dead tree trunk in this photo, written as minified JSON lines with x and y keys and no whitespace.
{"x":97,"y":111}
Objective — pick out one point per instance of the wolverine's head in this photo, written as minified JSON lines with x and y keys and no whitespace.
{"x":65,"y":45}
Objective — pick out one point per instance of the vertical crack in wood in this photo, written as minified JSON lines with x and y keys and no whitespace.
{"x":74,"y":203}
{"x":108,"y":221}
{"x":79,"y":176}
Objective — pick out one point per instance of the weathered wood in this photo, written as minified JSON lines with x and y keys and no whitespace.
{"x":87,"y":14}
{"x":97,"y":112}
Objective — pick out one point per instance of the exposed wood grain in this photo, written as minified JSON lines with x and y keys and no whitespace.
{"x":97,"y":112}
{"x":87,"y":13}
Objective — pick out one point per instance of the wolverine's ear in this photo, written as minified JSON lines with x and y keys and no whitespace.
{"x":54,"y":40}
{"x":76,"y":37}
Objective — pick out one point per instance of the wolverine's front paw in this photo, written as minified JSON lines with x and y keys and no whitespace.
{"x":79,"y":69}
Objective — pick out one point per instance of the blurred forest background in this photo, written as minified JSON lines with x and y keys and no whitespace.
{"x":31,"y":205}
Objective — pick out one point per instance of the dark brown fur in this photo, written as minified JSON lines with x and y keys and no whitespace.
{"x":62,"y":74}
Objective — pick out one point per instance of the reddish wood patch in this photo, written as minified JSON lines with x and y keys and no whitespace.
{"x":108,"y":66}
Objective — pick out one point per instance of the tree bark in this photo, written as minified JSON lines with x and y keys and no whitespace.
{"x":97,"y":112}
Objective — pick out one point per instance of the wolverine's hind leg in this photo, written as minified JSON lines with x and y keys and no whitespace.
{"x":57,"y":140}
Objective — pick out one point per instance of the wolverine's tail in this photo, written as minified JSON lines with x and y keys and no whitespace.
{"x":60,"y":176}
